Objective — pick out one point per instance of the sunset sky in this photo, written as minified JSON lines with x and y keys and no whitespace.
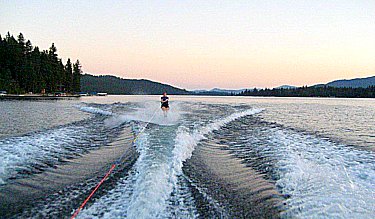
{"x":205,"y":44}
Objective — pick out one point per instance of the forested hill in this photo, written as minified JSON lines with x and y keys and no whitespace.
{"x":115,"y":85}
{"x":354,"y":83}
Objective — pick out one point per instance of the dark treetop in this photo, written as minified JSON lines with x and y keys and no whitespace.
{"x":314,"y":91}
{"x":24,"y":68}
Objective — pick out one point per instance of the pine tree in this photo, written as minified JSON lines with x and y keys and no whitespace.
{"x":25,"y":68}
{"x":77,"y":76}
{"x":69,"y":76}
{"x":52,"y":68}
{"x":36,"y":77}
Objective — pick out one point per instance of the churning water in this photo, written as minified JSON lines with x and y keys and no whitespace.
{"x":209,"y":157}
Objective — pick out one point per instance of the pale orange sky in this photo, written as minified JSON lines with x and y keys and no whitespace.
{"x":195,"y":44}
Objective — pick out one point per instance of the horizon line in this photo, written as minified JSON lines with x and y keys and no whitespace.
{"x":216,"y":87}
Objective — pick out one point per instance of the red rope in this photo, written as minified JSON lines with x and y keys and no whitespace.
{"x":93,"y":191}
{"x":109,"y":172}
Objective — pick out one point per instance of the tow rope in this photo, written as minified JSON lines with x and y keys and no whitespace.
{"x":110,"y":170}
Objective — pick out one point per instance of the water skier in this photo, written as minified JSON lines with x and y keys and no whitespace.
{"x":165,"y":103}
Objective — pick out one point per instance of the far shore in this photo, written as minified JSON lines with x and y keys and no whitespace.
{"x":37,"y":96}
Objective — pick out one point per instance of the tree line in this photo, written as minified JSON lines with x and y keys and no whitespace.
{"x":314,"y":91}
{"x":115,"y":85}
{"x":24,"y":68}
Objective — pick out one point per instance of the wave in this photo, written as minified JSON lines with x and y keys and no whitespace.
{"x":147,"y":192}
{"x":186,"y":142}
{"x":167,"y":175}
{"x":34,"y":152}
{"x":318,"y":177}
{"x":324,"y":179}
{"x":37,"y":151}
{"x":149,"y":112}
{"x":94,"y":110}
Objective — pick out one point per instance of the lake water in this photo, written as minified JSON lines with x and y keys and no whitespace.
{"x":215,"y":157}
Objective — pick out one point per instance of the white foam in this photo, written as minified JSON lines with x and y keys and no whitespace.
{"x":21,"y":152}
{"x":166,"y":176}
{"x":142,"y":194}
{"x":149,"y":110}
{"x":144,"y":113}
{"x":95,"y":110}
{"x":186,"y":142}
{"x":146,"y":192}
{"x":323,"y":179}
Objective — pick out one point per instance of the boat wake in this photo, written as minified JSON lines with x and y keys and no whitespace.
{"x":213,"y":161}
{"x":155,"y":179}
{"x":35,"y":152}
{"x":317,"y":177}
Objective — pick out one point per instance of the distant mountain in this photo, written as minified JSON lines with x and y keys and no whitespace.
{"x":285,"y":87}
{"x":199,"y":91}
{"x":115,"y":85}
{"x":354,"y":83}
{"x":227,"y":91}
{"x":219,"y":91}
{"x":210,"y":93}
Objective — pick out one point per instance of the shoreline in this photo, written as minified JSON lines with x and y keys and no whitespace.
{"x":45,"y":97}
{"x":38,"y":97}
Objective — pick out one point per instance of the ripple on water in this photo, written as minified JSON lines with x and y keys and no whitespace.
{"x":320,"y":178}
